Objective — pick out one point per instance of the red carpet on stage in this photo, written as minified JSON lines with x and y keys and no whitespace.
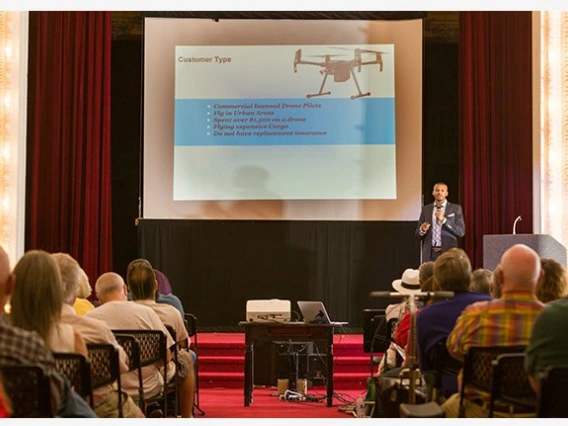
{"x":221,"y":380}
{"x":223,"y":403}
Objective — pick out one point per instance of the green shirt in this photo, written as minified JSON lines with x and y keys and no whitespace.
{"x":548,"y":344}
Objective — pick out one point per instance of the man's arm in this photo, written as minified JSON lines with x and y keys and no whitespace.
{"x":421,"y":344}
{"x":455,"y":341}
{"x":537,"y":343}
{"x":421,"y":228}
{"x":455,"y":224}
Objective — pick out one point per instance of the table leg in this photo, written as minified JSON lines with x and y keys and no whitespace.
{"x":249,"y":369}
{"x":330,"y":368}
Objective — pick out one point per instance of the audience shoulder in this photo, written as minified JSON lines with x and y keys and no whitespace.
{"x":478,"y":306}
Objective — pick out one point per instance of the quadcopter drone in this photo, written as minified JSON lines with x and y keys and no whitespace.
{"x":340,"y":69}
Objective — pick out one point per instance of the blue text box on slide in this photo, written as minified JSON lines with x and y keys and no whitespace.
{"x":316,"y":121}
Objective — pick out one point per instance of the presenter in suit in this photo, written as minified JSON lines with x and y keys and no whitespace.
{"x":440,"y":224}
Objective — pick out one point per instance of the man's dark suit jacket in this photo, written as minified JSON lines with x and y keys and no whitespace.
{"x":453,"y":229}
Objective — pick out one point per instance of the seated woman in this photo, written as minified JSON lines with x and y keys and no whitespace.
{"x":37,"y":302}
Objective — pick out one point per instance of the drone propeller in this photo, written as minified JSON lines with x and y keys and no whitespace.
{"x":360,"y":50}
{"x":372,"y":51}
{"x":322,"y":56}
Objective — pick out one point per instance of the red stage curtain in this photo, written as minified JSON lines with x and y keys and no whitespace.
{"x":68,"y":185}
{"x":495,"y":85}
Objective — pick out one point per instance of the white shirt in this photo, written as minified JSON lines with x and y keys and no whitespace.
{"x":95,"y":331}
{"x":169,"y":315}
{"x":61,"y":338}
{"x":124,"y":315}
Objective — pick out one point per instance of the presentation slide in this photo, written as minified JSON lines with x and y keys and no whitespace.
{"x":284,"y":122}
{"x":282,"y":119}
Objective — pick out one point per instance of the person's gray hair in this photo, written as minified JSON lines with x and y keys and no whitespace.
{"x":481,"y":281}
{"x":70,"y":272}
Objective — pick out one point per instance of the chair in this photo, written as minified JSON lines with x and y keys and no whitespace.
{"x":29,"y":390}
{"x":152,"y":344}
{"x":191,"y":326}
{"x":173,"y":385}
{"x":105,"y":368}
{"x":132,"y":349}
{"x":445,"y":366}
{"x":477,"y":369}
{"x":382,"y":337}
{"x":553,"y":391}
{"x":511,"y":384}
{"x":77,"y":369}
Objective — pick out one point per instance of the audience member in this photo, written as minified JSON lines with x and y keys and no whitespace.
{"x":37,"y":302}
{"x":506,"y":321}
{"x":19,"y":346}
{"x":82,"y":305}
{"x":409,"y":283}
{"x":403,"y":329}
{"x":553,"y":283}
{"x":93,"y":331}
{"x":496,"y":283}
{"x":548,"y":344}
{"x":452,"y":272}
{"x":143,"y":287}
{"x":120,"y":314}
{"x":426,"y":282}
{"x":481,"y":281}
{"x":165,"y":295}
{"x":425,"y":271}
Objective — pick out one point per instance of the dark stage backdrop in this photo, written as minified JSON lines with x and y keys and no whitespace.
{"x":214,"y":267}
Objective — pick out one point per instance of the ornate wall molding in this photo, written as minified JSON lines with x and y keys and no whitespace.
{"x":13,"y":70}
{"x":553,"y":124}
{"x":439,"y":27}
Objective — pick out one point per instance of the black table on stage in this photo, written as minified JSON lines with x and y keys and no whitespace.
{"x":294,"y":331}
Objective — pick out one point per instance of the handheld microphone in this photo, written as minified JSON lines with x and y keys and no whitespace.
{"x":518,"y":219}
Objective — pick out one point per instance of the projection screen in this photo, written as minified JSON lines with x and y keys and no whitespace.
{"x":282,"y":119}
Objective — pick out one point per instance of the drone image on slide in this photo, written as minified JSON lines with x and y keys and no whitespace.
{"x":340,"y":69}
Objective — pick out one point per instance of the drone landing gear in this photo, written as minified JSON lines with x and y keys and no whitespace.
{"x":321,"y":92}
{"x":361,"y":94}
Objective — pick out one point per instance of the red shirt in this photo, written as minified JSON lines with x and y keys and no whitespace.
{"x":403,"y":330}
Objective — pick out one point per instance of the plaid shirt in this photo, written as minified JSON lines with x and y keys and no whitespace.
{"x":507,"y":321}
{"x":19,"y":346}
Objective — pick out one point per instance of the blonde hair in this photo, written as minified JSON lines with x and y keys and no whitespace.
{"x":38,"y":294}
{"x":84,"y":289}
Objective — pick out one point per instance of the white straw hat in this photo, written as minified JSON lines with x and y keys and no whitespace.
{"x":409,"y":282}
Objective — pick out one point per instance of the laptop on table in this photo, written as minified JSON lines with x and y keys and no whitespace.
{"x":314,"y":313}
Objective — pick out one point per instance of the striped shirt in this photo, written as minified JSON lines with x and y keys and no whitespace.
{"x":507,"y":321}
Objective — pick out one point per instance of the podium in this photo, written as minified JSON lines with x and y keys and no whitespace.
{"x":546,"y":246}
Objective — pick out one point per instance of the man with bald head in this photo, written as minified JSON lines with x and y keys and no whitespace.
{"x":120,"y":314}
{"x":506,"y":321}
